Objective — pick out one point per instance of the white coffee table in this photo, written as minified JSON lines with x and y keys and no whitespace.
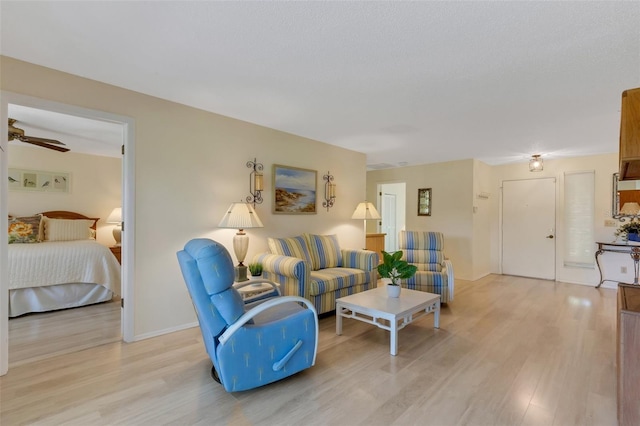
{"x":374,"y":305}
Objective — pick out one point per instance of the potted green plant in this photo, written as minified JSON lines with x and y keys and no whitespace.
{"x":255,"y":269}
{"x":629,"y":231}
{"x":395,"y":269}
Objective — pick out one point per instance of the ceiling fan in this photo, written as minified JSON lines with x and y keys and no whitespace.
{"x":18,"y":134}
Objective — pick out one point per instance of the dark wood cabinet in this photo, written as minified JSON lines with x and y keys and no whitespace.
{"x":628,"y":350}
{"x":630,"y":135}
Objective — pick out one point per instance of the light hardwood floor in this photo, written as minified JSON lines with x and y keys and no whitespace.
{"x":43,"y":335}
{"x":509,"y":351}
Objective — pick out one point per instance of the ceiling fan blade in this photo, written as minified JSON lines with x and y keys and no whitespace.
{"x":45,"y":145}
{"x":43,"y":140}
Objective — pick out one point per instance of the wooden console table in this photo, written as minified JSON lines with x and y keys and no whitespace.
{"x":631,"y":250}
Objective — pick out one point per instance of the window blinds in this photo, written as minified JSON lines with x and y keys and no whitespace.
{"x":579,"y":201}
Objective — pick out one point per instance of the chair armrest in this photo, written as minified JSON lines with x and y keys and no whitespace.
{"x":263,"y":307}
{"x":360,"y":259}
{"x":287,"y":266}
{"x":447,"y":267}
{"x":253,"y":281}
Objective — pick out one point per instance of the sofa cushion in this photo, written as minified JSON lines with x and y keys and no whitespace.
{"x":331,"y":279}
{"x":425,"y":260}
{"x":294,"y":246}
{"x":415,"y":240}
{"x":325,"y":251}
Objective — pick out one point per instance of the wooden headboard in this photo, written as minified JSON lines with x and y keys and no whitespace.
{"x":61,"y":214}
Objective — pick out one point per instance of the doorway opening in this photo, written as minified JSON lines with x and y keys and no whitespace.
{"x":392,"y":206}
{"x":15,"y":102}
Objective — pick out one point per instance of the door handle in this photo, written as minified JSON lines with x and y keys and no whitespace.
{"x":549,"y":236}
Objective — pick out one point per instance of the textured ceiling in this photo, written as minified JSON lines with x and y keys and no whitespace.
{"x":403,"y":82}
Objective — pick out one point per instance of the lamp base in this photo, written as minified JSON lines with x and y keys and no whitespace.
{"x":240,"y":274}
{"x":117,"y":234}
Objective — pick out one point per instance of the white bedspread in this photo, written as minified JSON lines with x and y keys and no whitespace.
{"x":61,"y":262}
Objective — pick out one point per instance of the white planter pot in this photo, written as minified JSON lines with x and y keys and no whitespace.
{"x":393,"y":290}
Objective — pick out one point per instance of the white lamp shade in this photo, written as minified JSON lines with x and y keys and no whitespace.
{"x":366,"y":210}
{"x":630,"y":208}
{"x":240,"y":216}
{"x":115,"y":216}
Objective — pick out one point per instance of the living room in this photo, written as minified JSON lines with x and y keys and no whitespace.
{"x":189,"y":164}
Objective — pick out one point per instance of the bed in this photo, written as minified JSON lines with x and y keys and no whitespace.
{"x":63,"y":271}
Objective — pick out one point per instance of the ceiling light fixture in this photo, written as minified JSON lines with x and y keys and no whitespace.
{"x":536,"y":164}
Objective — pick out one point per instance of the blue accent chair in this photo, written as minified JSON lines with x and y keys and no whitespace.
{"x":270,"y":341}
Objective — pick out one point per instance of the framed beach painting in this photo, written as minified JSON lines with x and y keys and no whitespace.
{"x":294,"y":190}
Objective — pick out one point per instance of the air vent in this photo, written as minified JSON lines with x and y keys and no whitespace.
{"x":380,"y":166}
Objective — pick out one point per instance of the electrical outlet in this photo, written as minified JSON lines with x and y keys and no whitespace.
{"x":610,"y":223}
{"x":623,"y":269}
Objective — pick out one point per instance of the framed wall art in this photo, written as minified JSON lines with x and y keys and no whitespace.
{"x":424,"y":202}
{"x":38,"y":181}
{"x":294,"y":190}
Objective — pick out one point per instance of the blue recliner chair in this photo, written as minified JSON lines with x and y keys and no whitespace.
{"x":271,"y":341}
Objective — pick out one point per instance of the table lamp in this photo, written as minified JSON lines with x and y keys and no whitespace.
{"x":240,"y":216}
{"x":366,"y":210}
{"x":116,"y":217}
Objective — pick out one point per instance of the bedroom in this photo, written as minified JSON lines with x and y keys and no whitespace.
{"x":93,"y":167}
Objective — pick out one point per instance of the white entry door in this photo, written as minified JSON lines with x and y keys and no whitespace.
{"x":528,"y":228}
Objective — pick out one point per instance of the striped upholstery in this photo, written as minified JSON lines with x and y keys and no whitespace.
{"x":323,"y":286}
{"x":295,"y":247}
{"x":325,"y":251}
{"x":332,"y":279}
{"x":435,"y":272}
{"x":421,"y":240}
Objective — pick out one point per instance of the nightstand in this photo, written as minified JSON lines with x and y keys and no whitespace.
{"x":117,"y":252}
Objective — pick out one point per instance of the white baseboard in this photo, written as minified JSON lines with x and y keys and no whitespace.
{"x":165,"y":331}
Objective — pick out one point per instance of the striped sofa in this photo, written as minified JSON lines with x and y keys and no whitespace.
{"x":316,"y":268}
{"x":435,"y":272}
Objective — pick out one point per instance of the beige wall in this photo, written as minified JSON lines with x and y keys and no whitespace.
{"x":482,"y":219}
{"x":96,"y":185}
{"x":472,"y":223}
{"x":604,"y":167}
{"x":452,"y":205}
{"x":189,"y":166}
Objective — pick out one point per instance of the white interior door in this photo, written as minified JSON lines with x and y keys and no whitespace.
{"x":528,"y":228}
{"x":389,"y":221}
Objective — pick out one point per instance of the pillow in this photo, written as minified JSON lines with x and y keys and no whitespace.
{"x":295,"y":246}
{"x":325,"y":250}
{"x":67,"y":229}
{"x":24,"y":229}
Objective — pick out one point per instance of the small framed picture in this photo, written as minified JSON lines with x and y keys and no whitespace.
{"x":424,"y":202}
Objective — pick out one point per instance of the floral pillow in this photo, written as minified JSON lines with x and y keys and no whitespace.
{"x":24,"y":229}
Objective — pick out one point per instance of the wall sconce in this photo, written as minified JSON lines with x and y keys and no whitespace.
{"x":536,"y":164}
{"x":256,"y":182}
{"x":329,"y":191}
